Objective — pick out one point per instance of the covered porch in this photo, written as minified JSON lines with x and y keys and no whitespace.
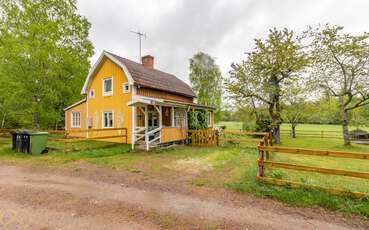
{"x":160,"y":121}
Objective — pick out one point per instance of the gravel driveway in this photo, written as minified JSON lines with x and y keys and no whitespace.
{"x":50,"y":199}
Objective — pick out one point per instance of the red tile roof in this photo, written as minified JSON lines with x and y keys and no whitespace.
{"x":155,"y":79}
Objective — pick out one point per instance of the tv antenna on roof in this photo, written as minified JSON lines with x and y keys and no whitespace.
{"x":140,"y":35}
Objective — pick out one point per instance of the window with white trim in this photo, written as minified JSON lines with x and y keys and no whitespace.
{"x":108,"y":86}
{"x":108,"y":119}
{"x":126,"y":88}
{"x":179,"y":117}
{"x":76,"y":120}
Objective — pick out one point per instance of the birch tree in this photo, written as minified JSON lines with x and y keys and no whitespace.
{"x":206,"y":80}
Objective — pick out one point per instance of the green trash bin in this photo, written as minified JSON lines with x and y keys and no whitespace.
{"x":38,"y":142}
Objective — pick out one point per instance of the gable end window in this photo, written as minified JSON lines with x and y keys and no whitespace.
{"x":108,"y":86}
{"x":126,"y":88}
{"x":92,"y":93}
{"x":76,"y":120}
{"x":108,"y":119}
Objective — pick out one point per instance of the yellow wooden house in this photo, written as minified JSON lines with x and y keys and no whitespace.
{"x":149,"y":104}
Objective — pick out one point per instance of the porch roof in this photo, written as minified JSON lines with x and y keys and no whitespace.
{"x":157,"y":101}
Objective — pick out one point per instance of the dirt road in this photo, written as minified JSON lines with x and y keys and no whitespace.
{"x":49,"y":199}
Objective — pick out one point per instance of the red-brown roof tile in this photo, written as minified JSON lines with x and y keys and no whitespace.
{"x":155,"y":79}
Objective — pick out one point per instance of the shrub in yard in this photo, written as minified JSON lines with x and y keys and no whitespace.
{"x":198,"y":119}
{"x":263,"y":125}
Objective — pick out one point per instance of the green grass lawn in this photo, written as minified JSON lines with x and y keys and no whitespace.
{"x":237,"y":125}
{"x":232,"y":167}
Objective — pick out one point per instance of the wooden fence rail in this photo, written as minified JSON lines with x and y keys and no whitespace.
{"x":78,"y":134}
{"x":314,"y":133}
{"x":263,"y":163}
{"x":211,"y":137}
{"x":204,"y":137}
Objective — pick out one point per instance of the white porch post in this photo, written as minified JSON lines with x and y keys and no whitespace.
{"x":159,"y":110}
{"x":160,"y":121}
{"x":160,"y":116}
{"x":146,"y":128}
{"x":186,"y":119}
{"x":172,"y":120}
{"x":134,"y":125}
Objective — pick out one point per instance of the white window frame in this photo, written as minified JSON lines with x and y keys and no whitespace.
{"x":92,"y":91}
{"x":124,"y":87}
{"x":73,"y":119}
{"x":110,"y":93}
{"x":210,"y":119}
{"x":103,"y":119}
{"x":179,"y":119}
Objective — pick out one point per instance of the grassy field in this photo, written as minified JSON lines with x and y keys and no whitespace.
{"x":236,"y":125}
{"x":231,"y":167}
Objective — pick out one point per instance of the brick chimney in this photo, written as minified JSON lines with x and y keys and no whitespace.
{"x":148,"y":61}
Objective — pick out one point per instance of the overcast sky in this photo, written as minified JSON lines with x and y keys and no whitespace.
{"x":225,"y":29}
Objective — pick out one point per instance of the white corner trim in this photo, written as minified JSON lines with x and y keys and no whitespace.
{"x":96,"y":65}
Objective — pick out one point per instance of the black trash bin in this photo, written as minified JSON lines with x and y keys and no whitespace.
{"x":21,"y":141}
{"x":14,"y":140}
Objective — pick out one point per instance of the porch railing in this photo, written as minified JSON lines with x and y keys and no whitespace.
{"x":141,"y":133}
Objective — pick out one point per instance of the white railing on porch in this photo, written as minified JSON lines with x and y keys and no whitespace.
{"x":143,"y":133}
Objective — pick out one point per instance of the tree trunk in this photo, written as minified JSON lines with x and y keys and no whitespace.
{"x":36,"y":114}
{"x":345,"y":124}
{"x":293,"y":131}
{"x":275,"y":124}
{"x":3,"y":120}
{"x":275,"y":109}
{"x":277,"y":135}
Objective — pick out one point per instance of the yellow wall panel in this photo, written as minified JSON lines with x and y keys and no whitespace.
{"x":117,"y":102}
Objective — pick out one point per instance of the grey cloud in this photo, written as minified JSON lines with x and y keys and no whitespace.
{"x":177,"y":29}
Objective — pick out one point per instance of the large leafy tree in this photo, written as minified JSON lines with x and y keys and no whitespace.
{"x":44,"y":52}
{"x":268,"y":73}
{"x":341,"y":68}
{"x":206,"y":80}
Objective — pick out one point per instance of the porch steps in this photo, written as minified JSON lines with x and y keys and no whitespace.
{"x":141,"y":145}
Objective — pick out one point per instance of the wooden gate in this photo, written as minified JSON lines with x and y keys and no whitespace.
{"x":203,"y":137}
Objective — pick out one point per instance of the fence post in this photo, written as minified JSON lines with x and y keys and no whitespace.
{"x":322,"y":134}
{"x":270,"y":139}
{"x":217,"y":137}
{"x":266,"y":143}
{"x":261,"y":158}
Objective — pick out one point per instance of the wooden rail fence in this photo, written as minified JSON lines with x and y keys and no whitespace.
{"x":211,"y":137}
{"x":314,"y":133}
{"x":204,"y":137}
{"x":79,"y":134}
{"x":263,"y":163}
